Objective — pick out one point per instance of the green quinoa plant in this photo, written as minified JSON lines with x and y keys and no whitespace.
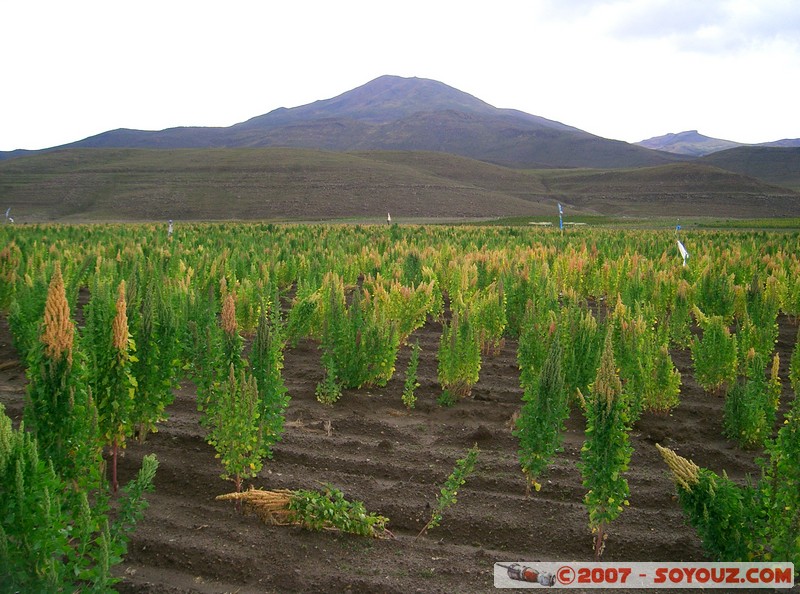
{"x":752,"y":403}
{"x":360,"y":341}
{"x":237,"y":429}
{"x":582,"y":342}
{"x":59,"y":408}
{"x":665,"y":394}
{"x":411,"y":383}
{"x":538,"y":329}
{"x":312,"y":510}
{"x":488,"y":309}
{"x":156,"y":364}
{"x":51,"y":538}
{"x":10,"y":263}
{"x":117,"y":390}
{"x":719,"y":510}
{"x":266,"y":359}
{"x":750,"y":522}
{"x":459,"y":358}
{"x":232,"y":342}
{"x":606,"y":453}
{"x":794,"y":365}
{"x":541,"y":421}
{"x":716,"y":295}
{"x":447,"y":496}
{"x":679,"y":319}
{"x":714,"y":354}
{"x":315,"y":510}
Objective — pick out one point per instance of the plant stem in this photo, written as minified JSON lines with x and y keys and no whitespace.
{"x":599,"y":543}
{"x":114,"y":483}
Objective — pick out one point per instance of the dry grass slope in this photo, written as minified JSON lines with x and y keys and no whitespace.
{"x":305,"y":184}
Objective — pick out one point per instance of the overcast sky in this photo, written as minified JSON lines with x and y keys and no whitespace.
{"x":622,"y":69}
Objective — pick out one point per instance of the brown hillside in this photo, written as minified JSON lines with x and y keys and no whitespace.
{"x":219,"y":184}
{"x":301,"y":184}
{"x":682,"y":189}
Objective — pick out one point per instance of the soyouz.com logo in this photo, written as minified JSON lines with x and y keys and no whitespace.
{"x":518,"y":574}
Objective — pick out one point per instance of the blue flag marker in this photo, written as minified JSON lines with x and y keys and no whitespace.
{"x":560,"y":219}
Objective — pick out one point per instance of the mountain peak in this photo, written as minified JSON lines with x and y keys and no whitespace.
{"x":689,"y":142}
{"x":385,"y":98}
{"x":404,"y":114}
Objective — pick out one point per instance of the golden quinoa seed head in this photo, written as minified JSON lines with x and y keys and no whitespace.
{"x":58,"y":332}
{"x":272,"y":507}
{"x":685,"y":472}
{"x":229,"y":315}
{"x":120,"y":339}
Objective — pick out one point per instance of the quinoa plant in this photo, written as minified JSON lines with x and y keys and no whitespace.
{"x":517,"y":293}
{"x":794,"y":365}
{"x":459,"y":358}
{"x":537,"y":331}
{"x":301,"y":318}
{"x":763,"y":305}
{"x":313,"y":510}
{"x":204,"y":352}
{"x":716,"y":294}
{"x":541,"y":422}
{"x":156,"y":364}
{"x":582,"y":342}
{"x":412,"y":269}
{"x":752,"y":522}
{"x":328,"y":509}
{"x":606,"y":453}
{"x":59,"y":408}
{"x":777,"y":537}
{"x":25,"y":312}
{"x":752,"y":403}
{"x":329,"y":390}
{"x":714,"y":354}
{"x":447,"y":497}
{"x":665,"y":394}
{"x":333,"y":333}
{"x":407,"y":307}
{"x":360,"y":341}
{"x":366,"y":356}
{"x":488,"y":308}
{"x":411,"y":383}
{"x":632,"y":339}
{"x":116,"y":387}
{"x":10,"y":261}
{"x":679,"y":319}
{"x":237,"y":429}
{"x":266,"y":359}
{"x":51,"y":538}
{"x":720,"y":511}
{"x":232,"y":342}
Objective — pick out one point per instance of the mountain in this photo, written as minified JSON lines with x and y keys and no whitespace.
{"x":414,"y":147}
{"x":785,"y":143}
{"x":690,"y":143}
{"x":694,"y":144}
{"x":395,"y":113}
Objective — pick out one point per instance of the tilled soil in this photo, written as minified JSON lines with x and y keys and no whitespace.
{"x":373,"y":449}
